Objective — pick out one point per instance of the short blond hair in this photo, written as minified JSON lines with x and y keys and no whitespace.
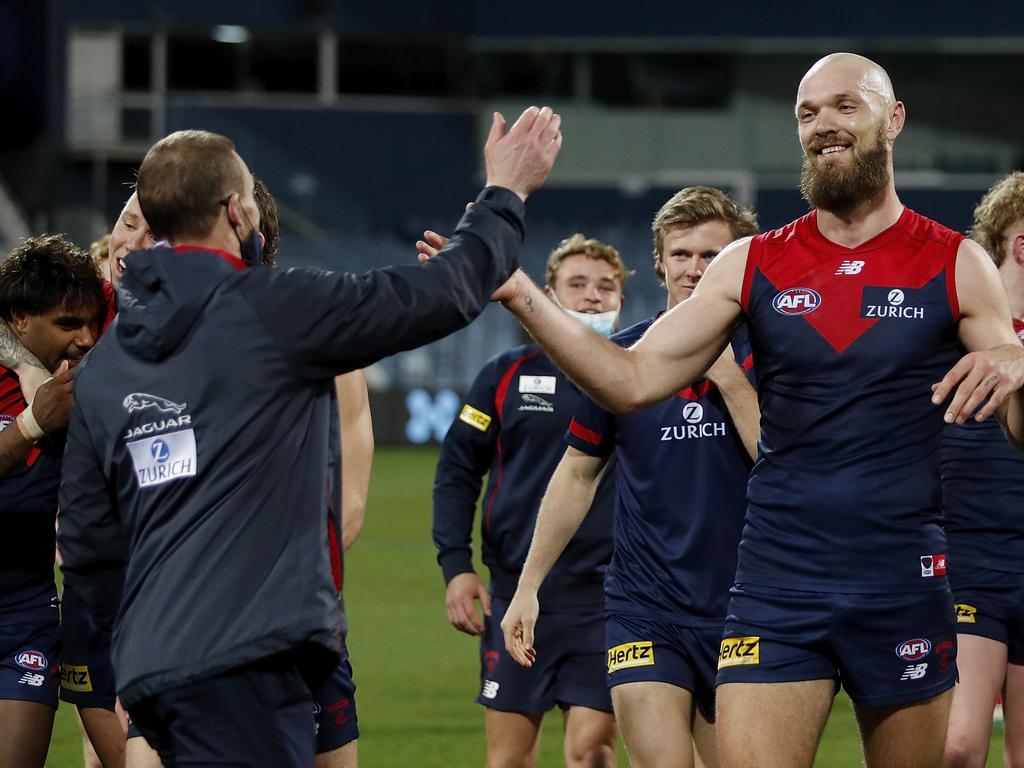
{"x":692,"y":206}
{"x":1000,"y":208}
{"x":578,"y":245}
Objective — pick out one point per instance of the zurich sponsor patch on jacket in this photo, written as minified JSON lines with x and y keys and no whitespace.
{"x":164,"y":458}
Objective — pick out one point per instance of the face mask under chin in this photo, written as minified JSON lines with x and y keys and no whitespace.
{"x":601,"y":323}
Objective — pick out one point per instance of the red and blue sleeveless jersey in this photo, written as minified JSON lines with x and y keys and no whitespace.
{"x":845,"y":494}
{"x":28,"y":510}
{"x":680,"y":477}
{"x":982,"y":489}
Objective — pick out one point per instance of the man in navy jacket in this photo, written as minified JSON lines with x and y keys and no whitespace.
{"x":196,"y":476}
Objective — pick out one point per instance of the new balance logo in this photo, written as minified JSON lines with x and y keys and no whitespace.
{"x":30,"y":678}
{"x":914,"y":672}
{"x":850,"y":267}
{"x":490,"y":689}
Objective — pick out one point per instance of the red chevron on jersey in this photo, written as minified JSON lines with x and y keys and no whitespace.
{"x":827,"y":285}
{"x":11,"y":404}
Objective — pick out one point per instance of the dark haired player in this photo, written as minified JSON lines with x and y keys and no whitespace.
{"x":51,"y":297}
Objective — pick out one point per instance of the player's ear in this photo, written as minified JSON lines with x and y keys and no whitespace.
{"x":19,"y":321}
{"x":1017,"y":248}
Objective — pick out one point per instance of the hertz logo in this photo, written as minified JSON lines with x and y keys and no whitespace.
{"x":630,"y":655}
{"x":965,"y":613}
{"x":475,"y":418}
{"x":75,"y":678}
{"x":739,"y":650}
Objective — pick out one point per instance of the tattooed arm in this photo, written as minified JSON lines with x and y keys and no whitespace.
{"x":13,"y":355}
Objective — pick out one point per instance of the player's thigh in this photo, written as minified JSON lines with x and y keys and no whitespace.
{"x":905,"y":735}
{"x":512,"y":738}
{"x":981,"y":663}
{"x":655,"y":718}
{"x":138,"y":753}
{"x":705,"y":742}
{"x":772,"y":725}
{"x":1013,"y":716}
{"x":25,"y":729}
{"x":346,"y":756}
{"x":106,"y":735}
{"x":590,"y":736}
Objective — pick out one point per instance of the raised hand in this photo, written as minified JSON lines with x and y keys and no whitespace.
{"x":521,"y":159}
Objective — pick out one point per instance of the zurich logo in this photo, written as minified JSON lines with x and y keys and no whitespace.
{"x":693,"y":413}
{"x":895,"y":297}
{"x":796,"y":301}
{"x":160,"y":450}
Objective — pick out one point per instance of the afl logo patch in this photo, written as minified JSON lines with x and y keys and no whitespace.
{"x":912,"y":650}
{"x":34,"y":660}
{"x":796,"y":301}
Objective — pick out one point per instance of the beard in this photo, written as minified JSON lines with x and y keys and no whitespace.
{"x":831,"y":187}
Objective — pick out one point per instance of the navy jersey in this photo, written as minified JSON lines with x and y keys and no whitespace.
{"x":845,"y":494}
{"x":681,"y":479}
{"x":982,"y":491}
{"x":510,"y":429}
{"x":28,"y":510}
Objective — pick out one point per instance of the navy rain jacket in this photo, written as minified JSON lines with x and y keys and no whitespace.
{"x":194,"y":495}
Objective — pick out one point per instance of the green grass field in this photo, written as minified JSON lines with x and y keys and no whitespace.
{"x":417,"y":676}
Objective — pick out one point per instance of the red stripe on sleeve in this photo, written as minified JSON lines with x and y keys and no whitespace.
{"x":587,"y":435}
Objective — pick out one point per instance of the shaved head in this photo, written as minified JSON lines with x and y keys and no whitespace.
{"x":850,"y":71}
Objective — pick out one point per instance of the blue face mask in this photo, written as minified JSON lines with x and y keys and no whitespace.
{"x":252,"y":248}
{"x":601,"y":323}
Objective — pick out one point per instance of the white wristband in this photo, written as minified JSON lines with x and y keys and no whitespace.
{"x":29,"y":426}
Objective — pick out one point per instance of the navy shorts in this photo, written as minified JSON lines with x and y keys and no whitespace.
{"x":259,"y":714}
{"x":647,"y":651}
{"x":885,"y":650}
{"x":990,"y":604}
{"x":86,"y":673}
{"x":569,"y":669}
{"x":30,"y":659}
{"x":334,"y":706}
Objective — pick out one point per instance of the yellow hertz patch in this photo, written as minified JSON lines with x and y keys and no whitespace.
{"x":475,"y":418}
{"x":75,"y":678}
{"x":965,"y":613}
{"x":739,"y":650}
{"x":630,"y":655}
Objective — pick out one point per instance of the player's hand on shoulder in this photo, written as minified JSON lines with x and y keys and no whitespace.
{"x":51,"y":406}
{"x":518,"y":624}
{"x":980,"y":382}
{"x":460,"y":600}
{"x":521,"y":159}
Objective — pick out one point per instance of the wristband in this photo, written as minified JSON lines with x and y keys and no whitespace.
{"x":29,"y":427}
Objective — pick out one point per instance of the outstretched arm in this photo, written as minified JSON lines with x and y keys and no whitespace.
{"x":989,"y":378}
{"x":569,"y":495}
{"x":675,"y":351}
{"x":356,"y":452}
